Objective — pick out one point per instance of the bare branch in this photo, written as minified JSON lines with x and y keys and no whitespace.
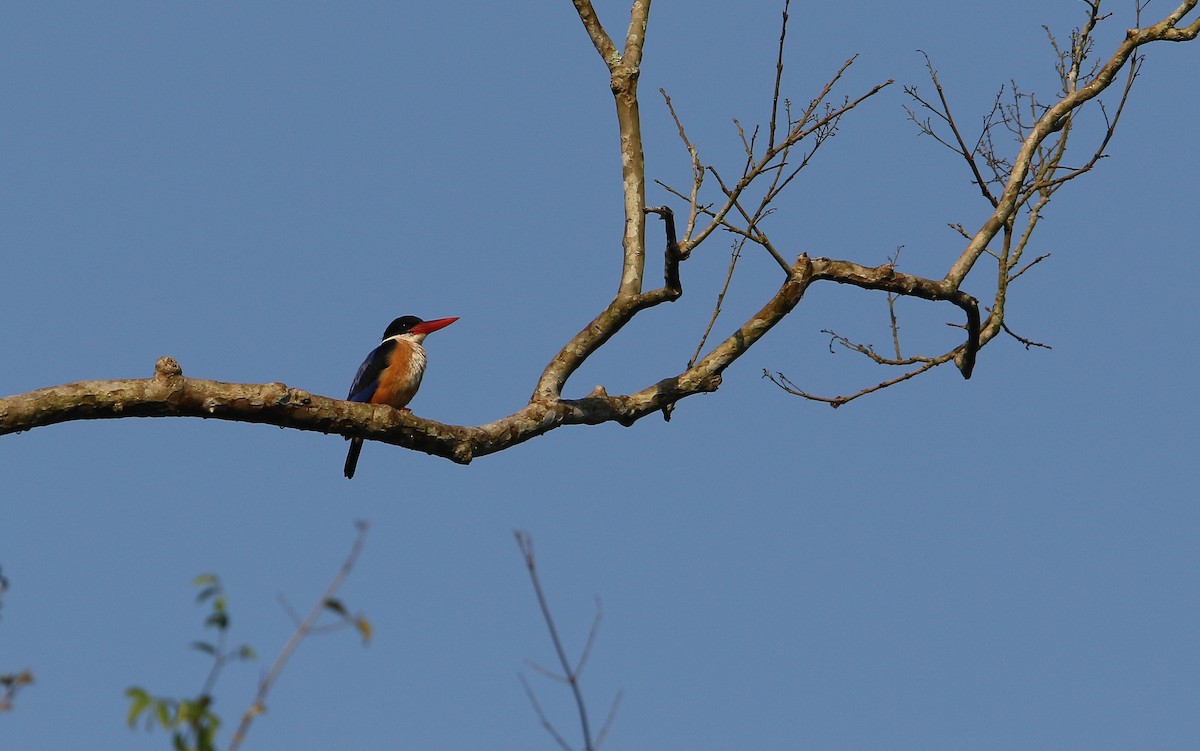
{"x":733,"y":260}
{"x":612,"y":715}
{"x":537,"y":667}
{"x":697,"y":173}
{"x":891,"y":300}
{"x":780,"y":380}
{"x":571,"y":675}
{"x":1026,"y":182}
{"x":866,"y":350}
{"x":943,"y":112}
{"x":1051,"y":120}
{"x":600,"y":39}
{"x":756,"y":166}
{"x":1029,"y":343}
{"x":778,"y":75}
{"x":673,"y":287}
{"x":635,"y":38}
{"x":887,"y":279}
{"x":259,"y":704}
{"x":537,"y":708}
{"x":1028,"y":266}
{"x":591,"y":639}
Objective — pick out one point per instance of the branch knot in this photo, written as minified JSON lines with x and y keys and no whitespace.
{"x":166,"y":367}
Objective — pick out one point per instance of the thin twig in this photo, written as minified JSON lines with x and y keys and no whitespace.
{"x":612,"y":715}
{"x":525,"y":543}
{"x":1028,"y":266}
{"x":537,"y":708}
{"x":943,"y":112}
{"x":780,"y":380}
{"x":778,"y":75}
{"x":737,"y":254}
{"x":259,"y":704}
{"x":591,"y":639}
{"x":1029,"y":343}
{"x":697,"y":172}
{"x":891,"y":299}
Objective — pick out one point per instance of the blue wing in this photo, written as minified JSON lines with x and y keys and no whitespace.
{"x":366,"y":380}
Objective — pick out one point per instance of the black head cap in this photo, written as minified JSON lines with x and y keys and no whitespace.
{"x":401,"y":325}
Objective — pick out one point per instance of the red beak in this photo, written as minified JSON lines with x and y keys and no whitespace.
{"x":428,"y":327}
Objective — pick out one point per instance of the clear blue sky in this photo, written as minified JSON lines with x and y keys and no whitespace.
{"x":256,"y":190}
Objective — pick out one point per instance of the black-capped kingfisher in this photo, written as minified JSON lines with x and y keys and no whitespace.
{"x":392,"y":373}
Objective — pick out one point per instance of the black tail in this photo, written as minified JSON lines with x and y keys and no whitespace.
{"x":352,"y":456}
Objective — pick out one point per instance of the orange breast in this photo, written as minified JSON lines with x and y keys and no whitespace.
{"x":399,"y":381}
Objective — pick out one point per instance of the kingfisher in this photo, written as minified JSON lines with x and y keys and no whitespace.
{"x":391,"y":374}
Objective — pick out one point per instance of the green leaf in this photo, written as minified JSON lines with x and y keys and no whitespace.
{"x":194,"y":711}
{"x":188,"y":712}
{"x":162,"y":713}
{"x":138,"y":701}
{"x":219,"y":620}
{"x":205,"y":647}
{"x":246,"y":652}
{"x":204,"y":739}
{"x":206,"y":732}
{"x":336,"y":606}
{"x":204,"y":580}
{"x":206,"y":593}
{"x":364,"y":629}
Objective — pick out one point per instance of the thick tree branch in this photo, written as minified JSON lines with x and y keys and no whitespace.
{"x":596,"y":32}
{"x":170,"y":394}
{"x":672,"y":285}
{"x":887,"y":279}
{"x":623,"y":78}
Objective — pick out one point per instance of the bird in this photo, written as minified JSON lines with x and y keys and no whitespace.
{"x":392,"y":373}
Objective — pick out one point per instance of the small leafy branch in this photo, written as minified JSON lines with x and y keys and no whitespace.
{"x":192,"y":722}
{"x":11,"y":683}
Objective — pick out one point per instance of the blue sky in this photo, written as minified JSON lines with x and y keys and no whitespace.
{"x":256,"y":190}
